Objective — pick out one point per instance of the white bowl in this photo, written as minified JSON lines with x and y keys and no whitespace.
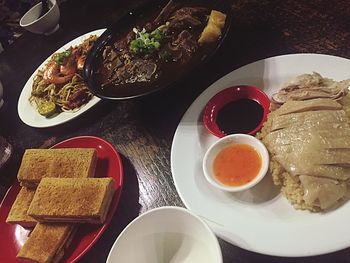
{"x":46,"y":24}
{"x":167,"y":234}
{"x":226,"y":141}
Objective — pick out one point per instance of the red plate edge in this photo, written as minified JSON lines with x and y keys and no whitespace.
{"x":75,"y":253}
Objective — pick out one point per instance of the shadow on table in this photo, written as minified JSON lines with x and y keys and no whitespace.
{"x":8,"y":175}
{"x":127,"y":210}
{"x":232,"y":253}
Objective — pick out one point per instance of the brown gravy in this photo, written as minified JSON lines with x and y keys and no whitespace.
{"x":169,"y":68}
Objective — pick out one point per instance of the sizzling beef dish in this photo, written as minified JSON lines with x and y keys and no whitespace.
{"x":308,"y":137}
{"x":163,"y":46}
{"x":59,"y":86}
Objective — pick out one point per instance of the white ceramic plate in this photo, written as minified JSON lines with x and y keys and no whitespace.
{"x":260,"y":219}
{"x":28,"y":113}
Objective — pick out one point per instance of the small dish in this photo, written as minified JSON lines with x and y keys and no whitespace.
{"x":218,"y":146}
{"x":166,"y":234}
{"x":45,"y":24}
{"x":235,"y":94}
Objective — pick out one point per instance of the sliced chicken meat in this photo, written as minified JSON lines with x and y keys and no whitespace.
{"x":311,"y":86}
{"x":309,"y":136}
{"x":321,"y":191}
{"x":308,"y":105}
{"x":285,"y":121}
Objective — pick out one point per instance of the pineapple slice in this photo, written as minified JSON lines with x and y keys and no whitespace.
{"x":217,"y":18}
{"x":212,"y":31}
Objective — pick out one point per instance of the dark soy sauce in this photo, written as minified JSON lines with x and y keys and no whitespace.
{"x":240,"y":116}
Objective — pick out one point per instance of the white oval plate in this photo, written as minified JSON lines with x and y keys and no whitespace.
{"x":260,"y":219}
{"x":28,"y":113}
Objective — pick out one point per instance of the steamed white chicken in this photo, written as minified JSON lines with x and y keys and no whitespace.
{"x":309,"y":143}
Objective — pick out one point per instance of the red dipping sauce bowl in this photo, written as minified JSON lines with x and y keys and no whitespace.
{"x":234,"y":94}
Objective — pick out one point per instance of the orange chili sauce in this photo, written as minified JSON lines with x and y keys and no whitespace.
{"x":237,"y":164}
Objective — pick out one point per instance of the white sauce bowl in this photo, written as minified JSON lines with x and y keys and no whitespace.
{"x":226,"y":141}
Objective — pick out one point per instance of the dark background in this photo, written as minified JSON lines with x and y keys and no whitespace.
{"x":142,"y":129}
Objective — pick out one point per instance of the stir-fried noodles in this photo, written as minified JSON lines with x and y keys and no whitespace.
{"x":60,"y":86}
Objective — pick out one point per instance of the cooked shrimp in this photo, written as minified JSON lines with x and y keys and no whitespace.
{"x":52,"y":74}
{"x":58,"y":73}
{"x":80,"y":62}
{"x":70,"y":67}
{"x":59,"y":84}
{"x":65,"y":64}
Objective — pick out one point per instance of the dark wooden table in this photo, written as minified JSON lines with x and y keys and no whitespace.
{"x":142,"y":129}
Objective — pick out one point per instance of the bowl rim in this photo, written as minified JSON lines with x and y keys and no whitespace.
{"x":54,"y":4}
{"x":215,"y":103}
{"x":213,"y":237}
{"x":236,"y":139}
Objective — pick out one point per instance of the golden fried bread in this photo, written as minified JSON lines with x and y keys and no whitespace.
{"x":18,"y":212}
{"x":35,"y":164}
{"x":74,"y":162}
{"x":64,"y":162}
{"x":75,"y":200}
{"x":47,"y":242}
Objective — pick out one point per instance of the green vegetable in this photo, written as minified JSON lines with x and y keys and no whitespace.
{"x":47,"y":108}
{"x":157,"y":35}
{"x":146,"y":43}
{"x":59,"y":58}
